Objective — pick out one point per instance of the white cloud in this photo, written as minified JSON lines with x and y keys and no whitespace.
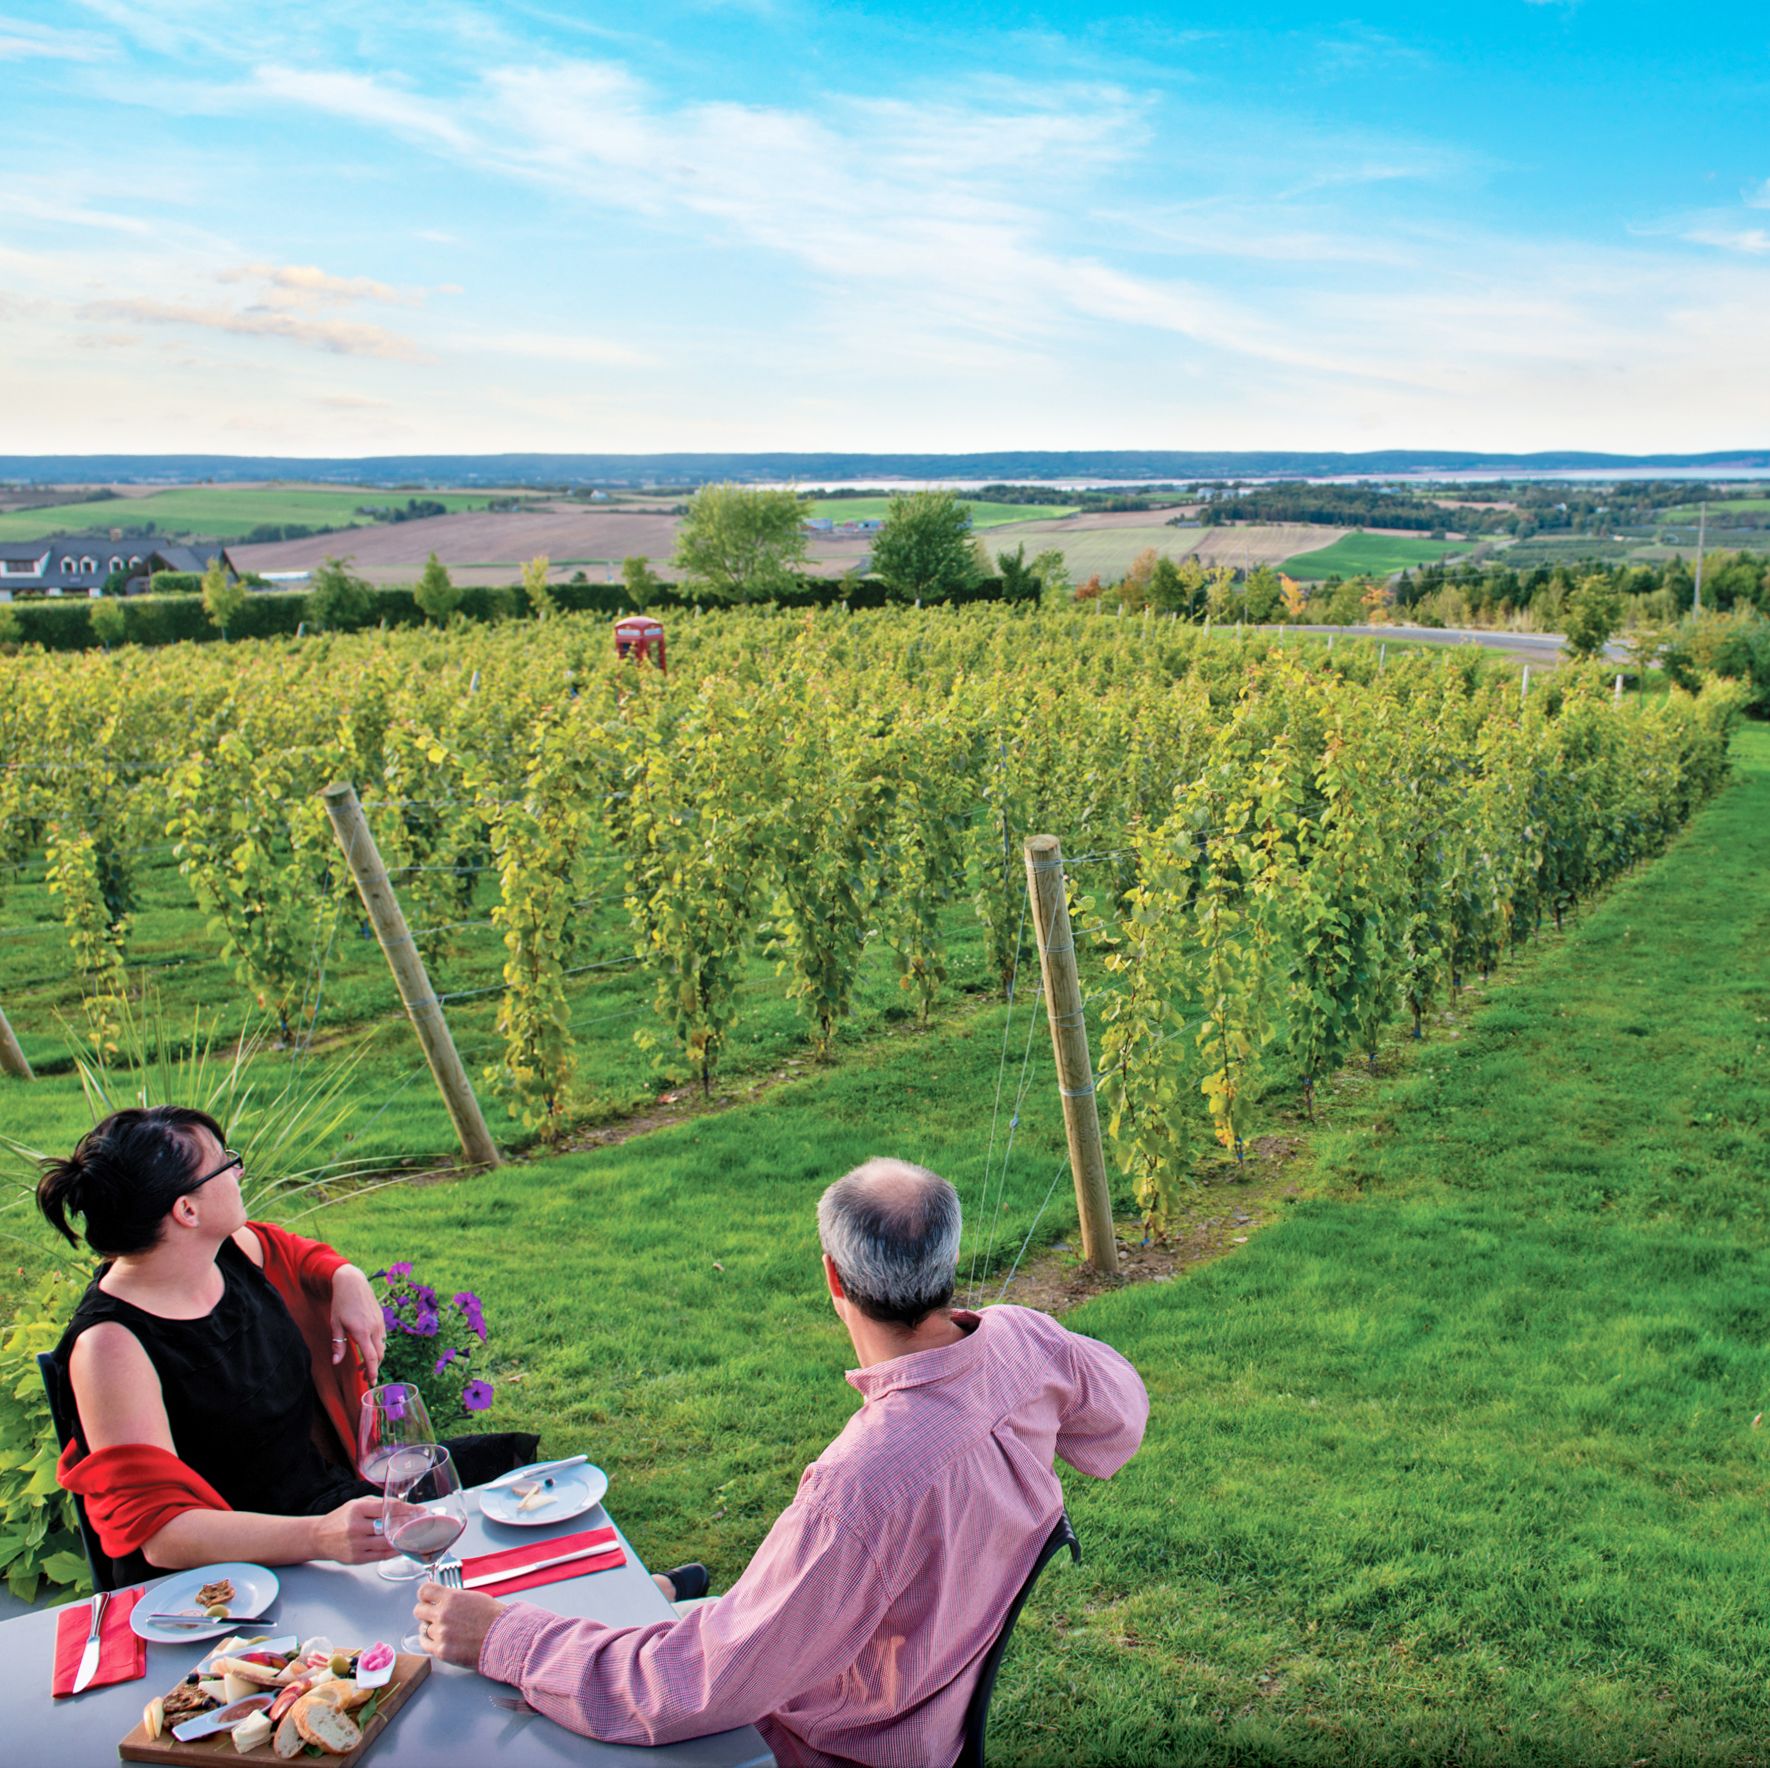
{"x":365,"y":100}
{"x":1759,"y":198}
{"x":338,"y":337}
{"x":23,"y":40}
{"x":1731,"y":239}
{"x":306,"y":285}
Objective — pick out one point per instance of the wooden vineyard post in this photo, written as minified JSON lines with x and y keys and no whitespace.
{"x":12,"y":1058}
{"x":1069,"y":1043}
{"x":415,"y":992}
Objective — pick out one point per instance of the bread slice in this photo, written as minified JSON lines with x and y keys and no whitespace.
{"x":322,"y":1724}
{"x":288,"y":1741}
{"x":345,"y":1694}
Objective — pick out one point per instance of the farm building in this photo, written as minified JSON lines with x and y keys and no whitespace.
{"x":82,"y":564}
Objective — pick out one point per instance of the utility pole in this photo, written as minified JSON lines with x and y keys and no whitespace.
{"x":415,"y":993}
{"x":1069,"y":1043}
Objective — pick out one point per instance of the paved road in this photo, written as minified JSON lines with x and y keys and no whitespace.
{"x":1532,"y":646}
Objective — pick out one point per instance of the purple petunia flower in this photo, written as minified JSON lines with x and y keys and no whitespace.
{"x":445,"y":1360}
{"x":476,"y":1396}
{"x":473,"y":1312}
{"x":404,"y":1270}
{"x":395,"y":1404}
{"x":426,"y":1324}
{"x":391,"y":1316}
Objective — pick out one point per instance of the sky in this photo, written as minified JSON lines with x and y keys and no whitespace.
{"x":328,"y":228}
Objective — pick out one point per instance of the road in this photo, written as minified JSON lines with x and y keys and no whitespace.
{"x":1532,"y":647}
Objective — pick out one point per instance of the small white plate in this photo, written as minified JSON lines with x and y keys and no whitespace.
{"x":255,"y":1589}
{"x":574,"y":1491}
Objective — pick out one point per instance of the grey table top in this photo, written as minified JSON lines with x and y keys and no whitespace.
{"x":450,"y":1720}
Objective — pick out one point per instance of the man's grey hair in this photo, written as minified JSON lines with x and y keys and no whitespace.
{"x":892,"y":1232}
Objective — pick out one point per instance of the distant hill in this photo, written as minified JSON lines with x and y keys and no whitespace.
{"x":693,"y":469}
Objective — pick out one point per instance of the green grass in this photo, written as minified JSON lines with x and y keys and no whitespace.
{"x":983,"y":514}
{"x":1454,"y":1463}
{"x":1362,"y":554}
{"x":218,"y":512}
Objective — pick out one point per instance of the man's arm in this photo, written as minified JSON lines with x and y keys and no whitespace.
{"x":801,"y":1613}
{"x":1103,"y":1422}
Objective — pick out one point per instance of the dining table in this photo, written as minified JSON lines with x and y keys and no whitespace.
{"x":451,"y":1717}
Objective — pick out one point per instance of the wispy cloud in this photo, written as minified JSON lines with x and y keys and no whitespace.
{"x":22,"y":39}
{"x":306,"y":285}
{"x":366,"y":100}
{"x":336,"y":337}
{"x":1754,"y":240}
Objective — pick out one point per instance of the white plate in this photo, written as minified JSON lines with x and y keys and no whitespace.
{"x":255,"y":1589}
{"x":574,"y":1491}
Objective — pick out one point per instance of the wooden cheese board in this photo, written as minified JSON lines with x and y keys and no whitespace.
{"x":409,"y":1669}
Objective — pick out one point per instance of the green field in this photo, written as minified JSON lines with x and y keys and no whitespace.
{"x":1362,"y":555}
{"x":1727,"y":506}
{"x":983,"y":515}
{"x":217,"y":512}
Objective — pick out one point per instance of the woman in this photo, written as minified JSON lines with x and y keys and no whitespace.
{"x":216,"y":1365}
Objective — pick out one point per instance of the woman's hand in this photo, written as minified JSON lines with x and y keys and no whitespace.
{"x":356,"y":1315}
{"x":350,"y":1534}
{"x":454,"y":1623}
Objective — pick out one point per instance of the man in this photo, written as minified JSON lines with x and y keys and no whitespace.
{"x":856,"y":1633}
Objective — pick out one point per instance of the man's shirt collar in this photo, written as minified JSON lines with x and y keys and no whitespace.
{"x":921,"y":1367}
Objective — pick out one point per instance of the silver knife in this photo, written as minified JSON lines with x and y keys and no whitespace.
{"x":89,"y":1657}
{"x":522,"y":1571}
{"x":224,"y":1718}
{"x":540,"y":1470}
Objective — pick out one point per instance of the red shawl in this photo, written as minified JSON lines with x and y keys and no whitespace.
{"x":133,"y":1490}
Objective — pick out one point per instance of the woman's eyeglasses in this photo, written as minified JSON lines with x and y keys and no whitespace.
{"x":232,"y":1160}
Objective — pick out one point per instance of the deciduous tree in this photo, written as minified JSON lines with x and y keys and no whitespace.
{"x":924,"y":549}
{"x":435,"y":591}
{"x":740,"y":545}
{"x":224,"y":595}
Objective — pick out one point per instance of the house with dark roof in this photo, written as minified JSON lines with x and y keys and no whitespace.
{"x":81,"y":564}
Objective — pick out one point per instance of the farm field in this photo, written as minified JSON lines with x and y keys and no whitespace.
{"x":1106,"y":544}
{"x":220,"y":512}
{"x":983,"y":514}
{"x":1729,"y":506}
{"x":1364,"y":554}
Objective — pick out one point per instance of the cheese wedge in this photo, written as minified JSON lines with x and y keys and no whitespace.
{"x":251,"y":1732}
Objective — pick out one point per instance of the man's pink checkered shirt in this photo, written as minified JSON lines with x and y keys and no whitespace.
{"x":856,"y":1632}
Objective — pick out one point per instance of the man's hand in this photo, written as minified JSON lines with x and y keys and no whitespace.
{"x":454,"y":1623}
{"x":350,"y":1534}
{"x":356,"y":1314}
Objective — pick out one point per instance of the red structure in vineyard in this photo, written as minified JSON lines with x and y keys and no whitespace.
{"x":640,"y":637}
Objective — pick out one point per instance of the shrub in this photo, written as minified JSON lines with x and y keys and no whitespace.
{"x":39,"y":1533}
{"x":338,"y":600}
{"x":175,"y":583}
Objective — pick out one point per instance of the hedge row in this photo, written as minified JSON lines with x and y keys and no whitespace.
{"x":65,"y":623}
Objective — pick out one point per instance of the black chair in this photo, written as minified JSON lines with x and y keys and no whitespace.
{"x":977,"y":1714}
{"x":107,"y":1573}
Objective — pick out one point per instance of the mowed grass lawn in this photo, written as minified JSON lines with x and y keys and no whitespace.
{"x":1361,"y":554}
{"x":984,"y":514}
{"x":1455,"y":1463}
{"x":219,"y":512}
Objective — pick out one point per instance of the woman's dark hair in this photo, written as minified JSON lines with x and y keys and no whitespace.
{"x":124,"y":1176}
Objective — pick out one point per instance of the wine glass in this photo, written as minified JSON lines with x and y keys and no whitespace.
{"x":424,"y":1513}
{"x":393,"y":1417}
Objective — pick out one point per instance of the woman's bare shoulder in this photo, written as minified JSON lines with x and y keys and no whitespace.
{"x":249,"y":1243}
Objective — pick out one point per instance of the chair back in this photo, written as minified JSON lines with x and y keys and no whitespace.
{"x":977,"y":1714}
{"x":107,"y":1573}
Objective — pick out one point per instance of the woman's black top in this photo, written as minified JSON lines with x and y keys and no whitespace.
{"x":238,"y":1390}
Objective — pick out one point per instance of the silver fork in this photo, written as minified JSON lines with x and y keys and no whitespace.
{"x":448,"y":1573}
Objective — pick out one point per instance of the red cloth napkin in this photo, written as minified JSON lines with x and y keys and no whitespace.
{"x":513,"y":1559}
{"x":121,"y":1656}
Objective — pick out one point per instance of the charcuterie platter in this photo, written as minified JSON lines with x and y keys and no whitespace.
{"x":267,"y":1700}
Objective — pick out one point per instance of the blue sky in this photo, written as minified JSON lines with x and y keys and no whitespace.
{"x":329,"y":228}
